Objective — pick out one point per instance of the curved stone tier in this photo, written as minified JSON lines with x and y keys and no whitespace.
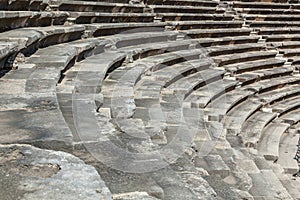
{"x":155,"y":99}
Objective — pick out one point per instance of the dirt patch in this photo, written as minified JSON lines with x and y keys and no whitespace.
{"x":13,"y":162}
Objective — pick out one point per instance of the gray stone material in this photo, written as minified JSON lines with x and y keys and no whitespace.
{"x":89,"y":6}
{"x":267,"y":179}
{"x":164,"y":98}
{"x":254,"y":65}
{"x":269,"y":143}
{"x":193,"y":17}
{"x":213,"y":164}
{"x":266,"y":84}
{"x":96,"y":17}
{"x":249,"y":77}
{"x":221,"y":50}
{"x":220,"y":32}
{"x":133,"y":196}
{"x":287,"y":151}
{"x":181,"y":9}
{"x":236,"y":117}
{"x":41,"y":173}
{"x":291,"y":117}
{"x":186,"y":85}
{"x":252,"y":128}
{"x":203,"y":96}
{"x":6,"y":49}
{"x":184,"y":2}
{"x":21,"y":19}
{"x":184,"y":25}
{"x":101,"y":29}
{"x":243,"y":57}
{"x":285,"y":106}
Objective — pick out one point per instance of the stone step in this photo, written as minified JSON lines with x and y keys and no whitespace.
{"x":268,"y":145}
{"x":243,"y":57}
{"x":213,"y":164}
{"x":267,"y":179}
{"x":181,"y":9}
{"x":236,"y":117}
{"x":193,"y":17}
{"x":254,"y":65}
{"x":106,"y":7}
{"x":30,"y":19}
{"x":214,"y":33}
{"x":185,"y":25}
{"x":203,"y":96}
{"x":253,"y":127}
{"x":186,"y":85}
{"x":98,"y":17}
{"x":287,"y":151}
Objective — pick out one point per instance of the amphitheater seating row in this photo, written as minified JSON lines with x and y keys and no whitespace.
{"x":228,"y":82}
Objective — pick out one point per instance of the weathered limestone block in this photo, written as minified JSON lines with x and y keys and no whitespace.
{"x":31,"y":173}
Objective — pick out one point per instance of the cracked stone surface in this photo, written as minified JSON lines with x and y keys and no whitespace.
{"x":31,"y":173}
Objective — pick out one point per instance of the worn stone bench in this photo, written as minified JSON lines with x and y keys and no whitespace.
{"x":170,"y":75}
{"x":287,"y":149}
{"x":266,"y":11}
{"x":103,"y":29}
{"x":81,"y":79}
{"x":207,"y":42}
{"x":96,"y":17}
{"x":268,"y":179}
{"x":250,"y":77}
{"x":266,"y":85}
{"x":136,"y":70}
{"x":18,"y":19}
{"x":252,"y":128}
{"x":232,"y":49}
{"x":281,"y":38}
{"x":291,"y":118}
{"x":38,"y":93}
{"x":278,"y":30}
{"x":280,"y":93}
{"x":263,"y":99}
{"x":287,"y":23}
{"x":268,"y":145}
{"x":132,"y":39}
{"x":204,"y":33}
{"x":287,"y":105}
{"x":31,"y":79}
{"x":183,"y":87}
{"x":208,"y":24}
{"x":290,"y":52}
{"x":148,"y":49}
{"x":25,"y":5}
{"x":281,"y":17}
{"x":30,"y":39}
{"x":284,"y":45}
{"x":203,"y":96}
{"x":249,"y":66}
{"x":269,"y":5}
{"x":218,"y":108}
{"x":192,"y":17}
{"x":237,"y":116}
{"x":90,"y":6}
{"x":259,"y":120}
{"x":183,"y":2}
{"x":243,"y":57}
{"x":181,"y":9}
{"x":149,"y":95}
